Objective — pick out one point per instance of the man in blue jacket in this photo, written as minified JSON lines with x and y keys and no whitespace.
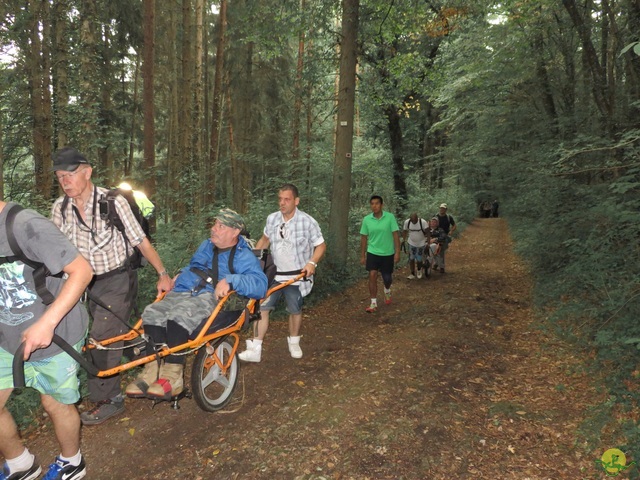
{"x":222,"y":263}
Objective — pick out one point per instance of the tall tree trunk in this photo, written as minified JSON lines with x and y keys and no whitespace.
{"x":174,"y":164}
{"x":431,"y":141}
{"x":89,"y":89}
{"x":216,"y":104}
{"x":543,"y":80}
{"x":106,"y":110}
{"x":597,"y":72}
{"x":186,"y":106}
{"x":298,"y":89}
{"x":60,"y":63}
{"x":40,"y":96}
{"x":198,"y":134}
{"x":148,"y":107}
{"x":241,"y":175}
{"x":134,"y":116}
{"x":341,"y":188}
{"x":397,"y":156}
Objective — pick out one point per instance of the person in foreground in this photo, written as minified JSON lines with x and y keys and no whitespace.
{"x":24,"y":317}
{"x":80,"y":215}
{"x":379,"y":249}
{"x":297,"y":245}
{"x":222,"y":263}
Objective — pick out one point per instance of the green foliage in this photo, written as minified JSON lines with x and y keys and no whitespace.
{"x":24,"y":405}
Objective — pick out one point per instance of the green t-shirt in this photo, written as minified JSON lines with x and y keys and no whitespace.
{"x":379,"y":232}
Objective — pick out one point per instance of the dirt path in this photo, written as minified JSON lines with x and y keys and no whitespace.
{"x":451,"y":381}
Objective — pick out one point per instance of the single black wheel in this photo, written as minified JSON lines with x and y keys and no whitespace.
{"x":212,"y":387}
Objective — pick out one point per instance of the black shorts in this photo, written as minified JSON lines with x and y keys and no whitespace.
{"x":383,"y":264}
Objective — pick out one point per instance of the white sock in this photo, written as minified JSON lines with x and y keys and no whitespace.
{"x":75,"y":460}
{"x":22,"y":462}
{"x":374,"y":302}
{"x":294,"y":339}
{"x":387,"y":290}
{"x":257,"y":344}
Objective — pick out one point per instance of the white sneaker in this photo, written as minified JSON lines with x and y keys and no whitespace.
{"x":294,"y":347}
{"x":252,"y":353}
{"x":419,"y":273}
{"x":412,"y":276}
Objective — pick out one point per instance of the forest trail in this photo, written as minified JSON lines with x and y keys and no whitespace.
{"x":451,"y":381}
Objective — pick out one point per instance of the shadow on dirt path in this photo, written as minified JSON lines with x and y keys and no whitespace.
{"x":451,"y":381}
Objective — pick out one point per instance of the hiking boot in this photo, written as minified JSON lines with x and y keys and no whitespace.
{"x":294,"y":347}
{"x":138,"y":388}
{"x":253,"y":353}
{"x":31,"y":474}
{"x":103,"y":411}
{"x":61,"y":470}
{"x":412,"y":276}
{"x":387,"y":298}
{"x":371,"y":308}
{"x":169,"y":383}
{"x":419,"y":273}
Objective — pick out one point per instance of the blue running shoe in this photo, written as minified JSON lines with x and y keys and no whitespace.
{"x":31,"y":474}
{"x":61,"y":470}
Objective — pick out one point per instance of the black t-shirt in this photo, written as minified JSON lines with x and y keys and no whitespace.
{"x":446,"y":222}
{"x":20,"y":306}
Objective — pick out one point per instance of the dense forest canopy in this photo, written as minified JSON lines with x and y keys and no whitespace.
{"x":203,"y":104}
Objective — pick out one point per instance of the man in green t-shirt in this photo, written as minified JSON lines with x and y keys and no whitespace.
{"x":380,"y":249}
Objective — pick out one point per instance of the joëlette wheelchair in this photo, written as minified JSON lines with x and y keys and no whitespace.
{"x":214,"y":373}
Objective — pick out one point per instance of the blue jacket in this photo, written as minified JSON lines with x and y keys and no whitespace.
{"x":248,"y":280}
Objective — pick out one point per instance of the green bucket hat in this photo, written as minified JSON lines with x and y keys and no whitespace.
{"x":230,"y":218}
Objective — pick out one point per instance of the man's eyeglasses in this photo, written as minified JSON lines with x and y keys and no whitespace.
{"x":283,"y":230}
{"x":68,"y":175}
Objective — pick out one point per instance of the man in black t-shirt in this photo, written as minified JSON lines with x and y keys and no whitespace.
{"x":448,"y":224}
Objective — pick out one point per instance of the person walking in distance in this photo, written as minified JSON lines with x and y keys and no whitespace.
{"x":297,"y":245}
{"x":448,"y":224}
{"x":80,"y":215}
{"x":417,"y":230}
{"x":379,"y":249}
{"x":437,"y":238}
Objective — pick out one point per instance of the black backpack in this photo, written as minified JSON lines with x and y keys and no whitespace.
{"x":266,"y":262}
{"x":40,"y":271}
{"x":109,"y":213}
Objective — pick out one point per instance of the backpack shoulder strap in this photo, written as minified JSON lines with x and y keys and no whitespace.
{"x":11,"y":238}
{"x":114,"y":216}
{"x":232,"y":255}
{"x":63,"y":207}
{"x":40,"y":271}
{"x":425,"y":230}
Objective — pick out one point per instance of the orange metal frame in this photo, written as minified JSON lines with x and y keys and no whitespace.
{"x":200,"y":340}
